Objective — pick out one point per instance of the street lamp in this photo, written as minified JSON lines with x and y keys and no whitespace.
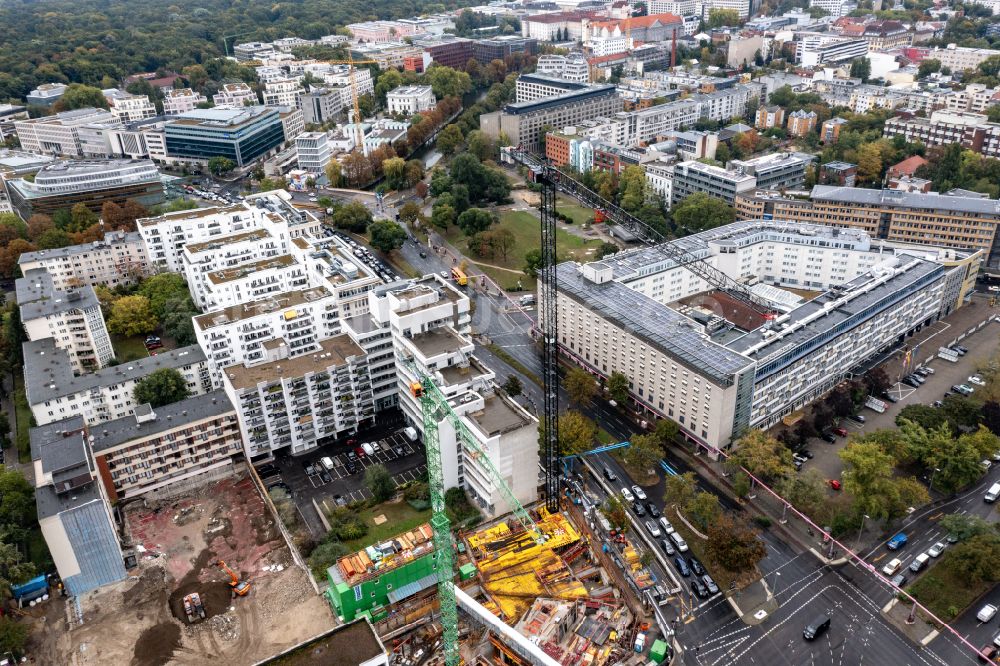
{"x":861,"y":529}
{"x":933,"y":474}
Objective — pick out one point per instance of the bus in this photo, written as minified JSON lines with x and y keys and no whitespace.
{"x":459,"y":277}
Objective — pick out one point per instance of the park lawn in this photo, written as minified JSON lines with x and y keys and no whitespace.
{"x":129,"y":349}
{"x":23,"y":415}
{"x":945,"y":593}
{"x":579,"y":214}
{"x":401,"y":517}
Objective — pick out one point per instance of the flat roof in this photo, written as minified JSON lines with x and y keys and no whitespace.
{"x":921,"y":200}
{"x":219,"y":241}
{"x":333,"y":351}
{"x":246,"y":270}
{"x":436,"y":341}
{"x":50,"y":503}
{"x":518,"y":108}
{"x":59,"y":445}
{"x":110,"y":238}
{"x":275,"y":303}
{"x":657,"y":324}
{"x":346,"y":645}
{"x":48,"y":373}
{"x":110,"y":434}
{"x":499,"y":416}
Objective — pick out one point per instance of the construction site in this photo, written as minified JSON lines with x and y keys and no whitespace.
{"x":214,"y":581}
{"x":561,"y":601}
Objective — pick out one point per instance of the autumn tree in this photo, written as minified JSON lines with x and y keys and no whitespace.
{"x":679,"y":489}
{"x":734,"y":545}
{"x":643,"y":453}
{"x":132,"y":315}
{"x":409,"y":213}
{"x":869,"y":476}
{"x":449,"y":139}
{"x":762,"y":456}
{"x":576,"y":433}
{"x":580,"y":385}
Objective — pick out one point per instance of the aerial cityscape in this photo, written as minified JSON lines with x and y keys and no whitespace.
{"x":536,"y":332}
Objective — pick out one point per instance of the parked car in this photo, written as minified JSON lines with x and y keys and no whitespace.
{"x":696,"y":566}
{"x":360,"y":452}
{"x":892,"y":567}
{"x":987,"y":654}
{"x":369,"y":448}
{"x":699,"y":588}
{"x":840,"y":432}
{"x":937,"y":403}
{"x":960,"y":349}
{"x":639,"y":511}
{"x":710,"y":584}
{"x":629,"y":497}
{"x":937,"y":548}
{"x":899,"y":580}
{"x":654,"y":510}
{"x":682,"y":568}
{"x":326,"y":478}
{"x":963,"y":389}
{"x":652,"y":528}
{"x":638,"y":492}
{"x":668,"y":548}
{"x":986,"y":613}
{"x":910,"y":381}
{"x":835,"y":484}
{"x":923,"y":372}
{"x":828,"y":437}
{"x":857,"y":418}
{"x":977,"y":380}
{"x":890,"y":398}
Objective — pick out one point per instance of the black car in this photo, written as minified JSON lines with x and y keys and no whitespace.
{"x":668,"y":547}
{"x":325,"y":477}
{"x":350,"y":467}
{"x":962,"y":351}
{"x":654,"y":511}
{"x":829,"y":437}
{"x":696,"y":566}
{"x":637,"y":507}
{"x":609,"y":475}
{"x":682,"y":567}
{"x":890,"y":398}
{"x":400,"y":451}
{"x":699,"y":589}
{"x":266,"y":470}
{"x":911,"y":381}
{"x":857,"y":418}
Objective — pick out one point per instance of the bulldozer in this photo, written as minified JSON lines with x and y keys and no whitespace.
{"x":240,"y":587}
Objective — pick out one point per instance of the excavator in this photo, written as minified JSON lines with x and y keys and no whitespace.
{"x":240,"y":587}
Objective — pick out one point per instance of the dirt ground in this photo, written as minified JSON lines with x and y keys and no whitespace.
{"x":141,"y":622}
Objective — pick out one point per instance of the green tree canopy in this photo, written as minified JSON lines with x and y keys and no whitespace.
{"x":132,"y":315}
{"x":164,"y":291}
{"x":161,"y":387}
{"x":354,"y":217}
{"x":386,"y":235}
{"x":580,"y":385}
{"x":475,"y":220}
{"x":379,"y":481}
{"x":699,"y":211}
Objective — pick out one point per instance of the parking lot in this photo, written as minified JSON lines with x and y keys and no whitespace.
{"x":981,"y":345}
{"x":341,"y":480}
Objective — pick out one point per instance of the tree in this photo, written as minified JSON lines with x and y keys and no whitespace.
{"x":576,"y":433}
{"x":413,"y":173}
{"x":13,"y":636}
{"x":409,"y":213}
{"x":10,"y":253}
{"x":962,"y":412}
{"x":512,"y":386}
{"x":580,"y":385}
{"x":632,"y":188}
{"x":179,"y":325}
{"x":762,"y":455}
{"x":481,"y":145}
{"x":869,"y":477}
{"x":718,"y":18}
{"x":704,"y":508}
{"x":449,"y":139}
{"x":643,"y":453}
{"x":220,"y":165}
{"x":861,"y":68}
{"x":666,"y":432}
{"x":532,"y":262}
{"x":475,"y":220}
{"x":924,"y":415}
{"x":616,"y":513}
{"x":964,"y":526}
{"x":975,"y":560}
{"x":734,"y":545}
{"x":79,"y":96}
{"x":448,"y":82}
{"x":132,"y":315}
{"x":699,"y":211}
{"x":679,"y":489}
{"x":81,"y":217}
{"x":394,"y":170}
{"x":870,"y":163}
{"x":806,"y":491}
{"x":161,"y":387}
{"x":618,"y":386}
{"x":163,"y":289}
{"x":499,"y":242}
{"x":333,"y":174}
{"x":379,"y":481}
{"x":443,"y":216}
{"x":928,"y":67}
{"x":605,"y":249}
{"x":353,"y":216}
{"x":386,"y":235}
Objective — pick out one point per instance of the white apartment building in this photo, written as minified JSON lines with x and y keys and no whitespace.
{"x":182,"y":100}
{"x":716,"y":378}
{"x":960,"y":58}
{"x":675,"y":7}
{"x":202,"y":260}
{"x":975,"y":98}
{"x":237,"y":335}
{"x":729,"y":103}
{"x":118,"y":259}
{"x":339,"y":76}
{"x":692,"y":176}
{"x":644,"y":125}
{"x":660,"y":178}
{"x":409,"y":100}
{"x":59,"y":134}
{"x":283,"y":92}
{"x":313,"y":151}
{"x":815,"y":49}
{"x":235,"y":94}
{"x":531,"y":87}
{"x":166,"y":235}
{"x":834,"y":8}
{"x":296,"y":403}
{"x":573,"y":67}
{"x":429,"y":320}
{"x":55,"y":393}
{"x":607,"y":42}
{"x":252,"y":281}
{"x":128,"y":107}
{"x":71,"y":318}
{"x":742,"y":7}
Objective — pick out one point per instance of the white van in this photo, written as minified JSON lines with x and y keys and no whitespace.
{"x":992,"y":494}
{"x":327,"y":463}
{"x":679,"y":542}
{"x":411,"y":433}
{"x":919,"y":562}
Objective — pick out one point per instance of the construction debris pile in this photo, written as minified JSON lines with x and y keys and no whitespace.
{"x":577,"y":632}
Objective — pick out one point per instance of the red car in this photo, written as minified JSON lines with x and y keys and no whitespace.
{"x":360,"y":452}
{"x":835,"y":484}
{"x":840,"y":432}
